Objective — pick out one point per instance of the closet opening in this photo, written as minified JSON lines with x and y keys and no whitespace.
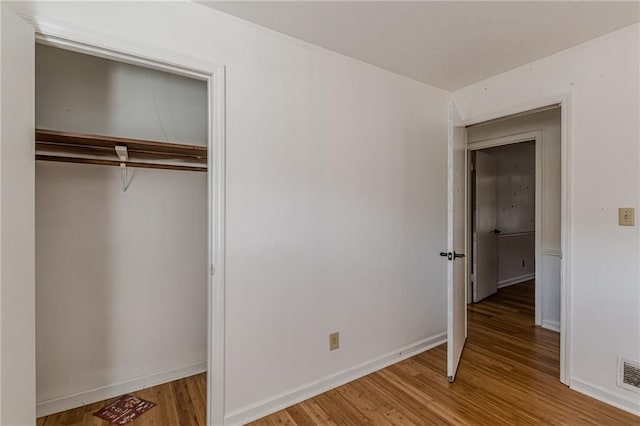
{"x":123,"y":233}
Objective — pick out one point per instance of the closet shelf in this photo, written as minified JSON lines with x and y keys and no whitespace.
{"x":53,"y":145}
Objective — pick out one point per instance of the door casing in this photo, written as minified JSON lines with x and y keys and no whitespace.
{"x":565,"y":102}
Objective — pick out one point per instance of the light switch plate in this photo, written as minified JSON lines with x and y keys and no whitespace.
{"x":626,"y":216}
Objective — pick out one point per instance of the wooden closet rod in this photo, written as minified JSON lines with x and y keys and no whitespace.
{"x":51,"y":148}
{"x":96,"y":161}
{"x":68,"y":147}
{"x":81,"y":140}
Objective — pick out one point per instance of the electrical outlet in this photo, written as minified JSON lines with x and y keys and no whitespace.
{"x":334,"y":341}
{"x":626,"y":216}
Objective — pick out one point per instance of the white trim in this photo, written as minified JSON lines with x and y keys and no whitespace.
{"x":551,"y":325}
{"x":505,"y":140}
{"x":217,"y":251}
{"x":565,"y":100}
{"x":516,"y":280}
{"x":551,"y":252}
{"x":539,"y":224}
{"x":518,"y":108}
{"x":566,"y":231}
{"x":467,"y":236}
{"x":517,"y":115}
{"x":606,"y":395}
{"x":128,"y":51}
{"x":515,"y":234}
{"x":470,"y":246}
{"x":66,"y":402}
{"x":268,"y":406}
{"x":112,"y":47}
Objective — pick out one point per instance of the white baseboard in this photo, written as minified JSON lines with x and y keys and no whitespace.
{"x":268,"y":406}
{"x":607,"y":396}
{"x":551,"y":325}
{"x":67,"y":402}
{"x":516,"y":280}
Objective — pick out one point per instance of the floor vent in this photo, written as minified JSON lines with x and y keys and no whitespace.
{"x":629,"y":374}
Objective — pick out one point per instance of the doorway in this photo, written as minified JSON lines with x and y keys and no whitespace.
{"x":515,"y":210}
{"x":19,"y":38}
{"x":121,"y":228}
{"x":503,"y":212}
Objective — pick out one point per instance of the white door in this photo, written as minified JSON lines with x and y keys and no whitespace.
{"x":457,"y":303}
{"x":17,"y":217}
{"x":485,"y":255}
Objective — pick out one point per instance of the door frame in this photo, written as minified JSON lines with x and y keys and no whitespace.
{"x":535,"y":136}
{"x":87,"y":42}
{"x":565,"y":101}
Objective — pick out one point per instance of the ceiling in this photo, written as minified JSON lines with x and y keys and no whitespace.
{"x":448,"y":44}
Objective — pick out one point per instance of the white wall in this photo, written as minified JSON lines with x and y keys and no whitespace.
{"x":515,"y":208}
{"x":336,"y":197}
{"x":121,"y":277}
{"x":88,"y":94}
{"x":17,"y":280}
{"x":548,"y":122}
{"x":516,"y":187}
{"x":602,"y":78}
{"x":516,"y":258}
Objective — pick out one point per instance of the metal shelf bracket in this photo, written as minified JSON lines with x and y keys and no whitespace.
{"x":123,"y":156}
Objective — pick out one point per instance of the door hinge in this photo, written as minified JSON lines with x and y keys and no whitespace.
{"x":213,"y":270}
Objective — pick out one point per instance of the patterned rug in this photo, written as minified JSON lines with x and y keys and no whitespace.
{"x":124,"y":410}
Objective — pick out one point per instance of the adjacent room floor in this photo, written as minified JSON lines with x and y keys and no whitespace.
{"x":508,"y":375}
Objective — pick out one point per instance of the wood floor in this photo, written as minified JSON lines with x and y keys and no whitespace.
{"x":508,"y":375}
{"x":180,"y":403}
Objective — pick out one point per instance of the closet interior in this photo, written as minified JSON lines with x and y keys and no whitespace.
{"x":121,"y":228}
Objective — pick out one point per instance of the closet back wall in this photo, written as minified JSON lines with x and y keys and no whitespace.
{"x":88,"y":94}
{"x":121,"y":276}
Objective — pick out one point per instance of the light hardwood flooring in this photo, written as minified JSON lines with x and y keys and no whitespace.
{"x":508,"y":375}
{"x":179,"y":403}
